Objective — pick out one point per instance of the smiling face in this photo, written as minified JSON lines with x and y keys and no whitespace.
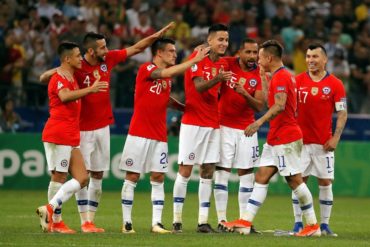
{"x":248,"y":54}
{"x":316,"y":60}
{"x":219,"y":41}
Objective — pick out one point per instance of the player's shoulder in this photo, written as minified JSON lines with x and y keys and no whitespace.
{"x":148,"y":66}
{"x":333,"y":79}
{"x":302,"y":76}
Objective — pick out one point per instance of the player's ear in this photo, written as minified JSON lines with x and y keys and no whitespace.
{"x":90,"y":51}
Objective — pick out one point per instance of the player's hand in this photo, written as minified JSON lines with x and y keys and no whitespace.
{"x":99,"y":86}
{"x":202,"y":53}
{"x":224,"y":75}
{"x":239,"y":88}
{"x":252,"y":128}
{"x":161,"y":32}
{"x":331,"y":144}
{"x":202,"y":46}
{"x":65,"y":74}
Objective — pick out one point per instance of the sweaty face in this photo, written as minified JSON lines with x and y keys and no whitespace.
{"x":168,"y":54}
{"x":75,"y":60}
{"x":316,"y":60}
{"x":248,"y":54}
{"x":219,"y":41}
{"x":264,"y":60}
{"x":101,"y":50}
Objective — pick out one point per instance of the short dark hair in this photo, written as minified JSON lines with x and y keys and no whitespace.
{"x":159,"y":44}
{"x":217,"y":27}
{"x":65,"y":47}
{"x":316,"y":45}
{"x":273,"y":47}
{"x":91,"y":38}
{"x":248,"y":41}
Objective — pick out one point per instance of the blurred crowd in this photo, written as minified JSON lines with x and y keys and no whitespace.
{"x":30,"y":32}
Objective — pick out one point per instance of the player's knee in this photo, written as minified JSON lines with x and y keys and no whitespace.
{"x":185,"y":170}
{"x":206,"y":171}
{"x":96,"y":175}
{"x":132,"y":176}
{"x":242,"y":172}
{"x":157,"y":177}
{"x":60,"y":177}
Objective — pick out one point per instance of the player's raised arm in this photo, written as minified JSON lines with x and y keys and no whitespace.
{"x":180,"y":68}
{"x":148,"y":41}
{"x":45,"y":77}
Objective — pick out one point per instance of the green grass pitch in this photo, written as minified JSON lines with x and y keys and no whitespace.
{"x":19,"y":225}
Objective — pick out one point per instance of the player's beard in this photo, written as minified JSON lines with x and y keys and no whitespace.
{"x":100,"y":59}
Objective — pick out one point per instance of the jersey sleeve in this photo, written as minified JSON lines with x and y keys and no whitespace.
{"x":281,"y":84}
{"x":146,"y":70}
{"x":340,"y":98}
{"x":58,"y":83}
{"x":116,"y":56}
{"x":196,"y":70}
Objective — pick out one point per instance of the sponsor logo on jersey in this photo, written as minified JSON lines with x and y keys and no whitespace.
{"x":326,"y":90}
{"x":214,"y":72}
{"x":150,"y":67}
{"x":191,"y":156}
{"x":252,"y":82}
{"x":314,"y":91}
{"x":194,"y":68}
{"x":280,"y":88}
{"x":96,"y":74}
{"x":60,"y":85}
{"x":64,"y":163}
{"x":103,"y":67}
{"x":129,"y":162}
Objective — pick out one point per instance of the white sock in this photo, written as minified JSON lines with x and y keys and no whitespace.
{"x":256,"y":200}
{"x":304,"y":197}
{"x":82,"y":201}
{"x":179,"y":194}
{"x":245,"y":191}
{"x":221,"y":194}
{"x":326,"y":202}
{"x":157,"y":201}
{"x":94,"y":194}
{"x":204,"y":193}
{"x":127,"y":195}
{"x":52,"y":190}
{"x":65,"y":192}
{"x":296,"y":209}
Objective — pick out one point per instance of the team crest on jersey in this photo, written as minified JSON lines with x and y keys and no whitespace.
{"x":129,"y":162}
{"x":194,"y":68}
{"x":164,"y":84}
{"x":326,"y":90}
{"x":150,"y":67}
{"x":252,"y":82}
{"x":103,"y":67}
{"x":191,"y":156}
{"x":96,"y":74}
{"x":214,"y":72}
{"x":64,"y":163}
{"x":314,"y":91}
{"x":60,"y":85}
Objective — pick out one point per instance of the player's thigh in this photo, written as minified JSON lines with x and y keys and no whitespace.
{"x":193,"y":142}
{"x":134,"y":154}
{"x":87,"y":146}
{"x":288,"y":158}
{"x":212,"y":150}
{"x":58,"y":157}
{"x":100,"y":158}
{"x":247,"y":151}
{"x":157,"y":157}
{"x":306,"y":160}
{"x":322,"y":163}
{"x":227,"y":147}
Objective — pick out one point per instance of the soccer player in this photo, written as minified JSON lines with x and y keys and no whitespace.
{"x":146,"y":148}
{"x":282,"y":151}
{"x":240,"y":97}
{"x":96,"y":116}
{"x":61,"y":137}
{"x":200,"y":133}
{"x":319,"y":94}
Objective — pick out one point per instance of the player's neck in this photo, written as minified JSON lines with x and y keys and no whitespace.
{"x":67,"y":67}
{"x":91,"y":60}
{"x":275,"y":66}
{"x":213,"y":56}
{"x":317,"y":75}
{"x":159,"y":63}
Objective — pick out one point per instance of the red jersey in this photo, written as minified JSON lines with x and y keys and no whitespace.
{"x":201,"y":109}
{"x":233,"y":108}
{"x":62,"y":126}
{"x":96,"y":111}
{"x":316,"y":104}
{"x":150,"y":105}
{"x":284,"y":127}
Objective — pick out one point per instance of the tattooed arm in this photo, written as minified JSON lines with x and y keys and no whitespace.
{"x":276,"y":109}
{"x":332,"y":143}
